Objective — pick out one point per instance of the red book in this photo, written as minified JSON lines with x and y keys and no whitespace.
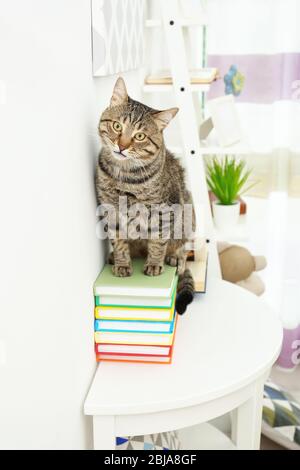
{"x":132,"y":350}
{"x":133,"y":353}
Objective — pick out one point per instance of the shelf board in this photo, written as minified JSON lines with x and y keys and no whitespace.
{"x":236,"y":234}
{"x":243,"y":147}
{"x":185,"y":22}
{"x":204,"y":437}
{"x":147,"y":88}
{"x":236,"y":149}
{"x":239,"y":149}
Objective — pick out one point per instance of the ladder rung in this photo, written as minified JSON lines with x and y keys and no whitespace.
{"x":185,"y":22}
{"x":238,"y":149}
{"x":167,"y":88}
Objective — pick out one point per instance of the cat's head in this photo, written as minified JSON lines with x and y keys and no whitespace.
{"x":131,"y":130}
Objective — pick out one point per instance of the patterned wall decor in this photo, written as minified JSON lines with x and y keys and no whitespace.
{"x":118,"y":35}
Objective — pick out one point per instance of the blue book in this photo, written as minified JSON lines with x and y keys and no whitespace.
{"x":136,"y":326}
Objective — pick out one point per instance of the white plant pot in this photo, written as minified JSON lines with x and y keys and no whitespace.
{"x":226,"y":217}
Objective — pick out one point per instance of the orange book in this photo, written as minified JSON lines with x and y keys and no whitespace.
{"x":132,"y":358}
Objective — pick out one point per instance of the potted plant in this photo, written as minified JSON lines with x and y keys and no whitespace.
{"x":226,"y":178}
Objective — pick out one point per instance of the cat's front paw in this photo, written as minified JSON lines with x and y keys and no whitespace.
{"x":153,"y":269}
{"x":122,"y":271}
{"x":171,"y":260}
{"x":176,"y":262}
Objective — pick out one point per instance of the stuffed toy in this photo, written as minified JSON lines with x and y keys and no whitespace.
{"x":238,"y":266}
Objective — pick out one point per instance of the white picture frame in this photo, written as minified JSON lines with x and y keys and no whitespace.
{"x":117,"y":36}
{"x":225,"y":120}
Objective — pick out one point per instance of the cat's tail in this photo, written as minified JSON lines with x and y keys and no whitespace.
{"x":185,"y":291}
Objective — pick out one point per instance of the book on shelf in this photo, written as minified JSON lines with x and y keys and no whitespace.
{"x":198,"y":268}
{"x":201,"y":76}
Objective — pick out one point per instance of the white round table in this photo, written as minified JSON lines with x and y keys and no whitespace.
{"x":224,"y":348}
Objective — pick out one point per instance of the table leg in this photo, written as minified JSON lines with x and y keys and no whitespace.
{"x":104,"y":432}
{"x":246,"y":421}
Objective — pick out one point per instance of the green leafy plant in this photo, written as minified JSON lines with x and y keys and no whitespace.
{"x":226,"y":178}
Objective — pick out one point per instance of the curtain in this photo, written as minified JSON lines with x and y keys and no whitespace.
{"x":262,"y":39}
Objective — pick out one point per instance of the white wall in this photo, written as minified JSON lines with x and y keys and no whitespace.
{"x":49,"y":252}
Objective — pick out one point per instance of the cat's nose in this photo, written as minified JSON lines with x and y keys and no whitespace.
{"x":122,"y":147}
{"x":124,"y":142}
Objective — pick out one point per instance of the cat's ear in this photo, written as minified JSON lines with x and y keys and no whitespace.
{"x":119,"y":95}
{"x":162,"y":118}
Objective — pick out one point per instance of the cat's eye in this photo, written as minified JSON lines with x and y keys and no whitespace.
{"x":140,"y":136}
{"x":117,"y":126}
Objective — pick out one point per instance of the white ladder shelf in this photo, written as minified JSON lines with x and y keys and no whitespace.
{"x":172,"y":24}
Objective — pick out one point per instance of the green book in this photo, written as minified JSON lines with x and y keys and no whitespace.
{"x":137,"y":285}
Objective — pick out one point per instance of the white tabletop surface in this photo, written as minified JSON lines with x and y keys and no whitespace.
{"x":226,"y":339}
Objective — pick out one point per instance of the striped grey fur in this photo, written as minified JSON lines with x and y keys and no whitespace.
{"x":134,"y":162}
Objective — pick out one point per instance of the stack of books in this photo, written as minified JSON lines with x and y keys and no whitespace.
{"x":135,"y":318}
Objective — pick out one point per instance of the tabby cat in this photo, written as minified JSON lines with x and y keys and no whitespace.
{"x":135,"y":163}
